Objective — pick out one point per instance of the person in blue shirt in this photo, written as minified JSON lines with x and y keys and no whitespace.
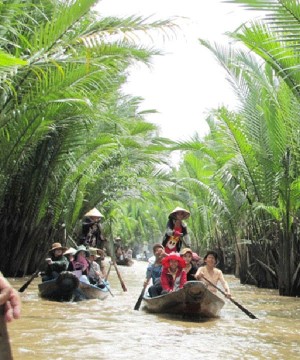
{"x":154,"y":270}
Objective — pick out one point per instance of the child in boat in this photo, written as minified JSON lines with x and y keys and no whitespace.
{"x":190,"y":268}
{"x":173,"y":275}
{"x":154,"y":270}
{"x":80,"y":266}
{"x":176,"y":232}
{"x":56,"y":263}
{"x":210,"y":272}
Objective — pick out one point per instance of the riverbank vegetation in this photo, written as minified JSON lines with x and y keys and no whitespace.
{"x":71,"y":140}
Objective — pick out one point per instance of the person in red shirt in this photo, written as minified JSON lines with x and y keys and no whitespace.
{"x":173,"y":275}
{"x":176,"y":233}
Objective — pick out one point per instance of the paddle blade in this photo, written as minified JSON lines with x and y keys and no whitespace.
{"x":138,"y":303}
{"x":28,"y":282}
{"x":252,"y":316}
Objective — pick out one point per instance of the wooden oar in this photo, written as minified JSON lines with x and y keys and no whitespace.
{"x":119,"y":276}
{"x":108,"y":271}
{"x":103,"y":281}
{"x":5,"y":350}
{"x":139,"y":301}
{"x":247,"y":312}
{"x":28,"y":282}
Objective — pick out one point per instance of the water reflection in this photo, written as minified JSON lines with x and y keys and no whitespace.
{"x":111,"y":329}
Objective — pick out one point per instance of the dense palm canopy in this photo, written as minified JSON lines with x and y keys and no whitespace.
{"x":69,"y":138}
{"x":72,"y":140}
{"x":246,"y":171}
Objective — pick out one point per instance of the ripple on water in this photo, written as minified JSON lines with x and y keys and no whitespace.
{"x":112,"y":330}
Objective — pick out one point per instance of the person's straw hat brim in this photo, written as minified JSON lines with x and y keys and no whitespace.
{"x":93,"y":252}
{"x":58,"y":246}
{"x":70,"y":251}
{"x":177,"y":209}
{"x":82,"y":248}
{"x":94,"y":212}
{"x":185,"y":251}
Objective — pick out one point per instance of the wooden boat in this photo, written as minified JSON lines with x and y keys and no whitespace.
{"x":124,"y":262}
{"x":194,"y":299}
{"x":67,"y":287}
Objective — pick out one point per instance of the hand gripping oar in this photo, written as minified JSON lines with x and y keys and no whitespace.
{"x":247,"y":312}
{"x":103,"y":281}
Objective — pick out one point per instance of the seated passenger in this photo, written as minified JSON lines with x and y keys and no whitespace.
{"x":56,"y":263}
{"x":154,"y":271}
{"x":190,"y":268}
{"x":211,"y":273}
{"x":173,"y":276}
{"x":80,"y":266}
{"x":95,"y":275}
{"x":197,"y":260}
{"x":100,"y":259}
{"x":69,"y":254}
{"x":120,"y":253}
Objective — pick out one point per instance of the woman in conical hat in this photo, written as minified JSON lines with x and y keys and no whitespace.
{"x":91,"y":229}
{"x":184,"y":213}
{"x":176,"y":232}
{"x":94,"y":213}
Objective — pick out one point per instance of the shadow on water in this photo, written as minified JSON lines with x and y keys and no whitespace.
{"x":112,"y":329}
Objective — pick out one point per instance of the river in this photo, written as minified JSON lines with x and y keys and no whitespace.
{"x":111,"y":329}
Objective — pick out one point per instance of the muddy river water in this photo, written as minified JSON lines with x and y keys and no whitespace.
{"x":111,"y":329}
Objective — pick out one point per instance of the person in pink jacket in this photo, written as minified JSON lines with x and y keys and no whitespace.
{"x":173,"y":276}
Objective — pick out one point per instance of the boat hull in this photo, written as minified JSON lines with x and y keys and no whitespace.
{"x":194,"y":299}
{"x":67,"y":287}
{"x":125,"y":262}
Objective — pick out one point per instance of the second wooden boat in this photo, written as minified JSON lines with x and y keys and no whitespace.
{"x":67,"y":287}
{"x":124,"y":262}
{"x":194,"y":299}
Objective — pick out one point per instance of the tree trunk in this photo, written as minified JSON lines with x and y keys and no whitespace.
{"x":284,"y":273}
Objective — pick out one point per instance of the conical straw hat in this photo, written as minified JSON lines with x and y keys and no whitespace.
{"x":186,"y":212}
{"x":94,"y":212}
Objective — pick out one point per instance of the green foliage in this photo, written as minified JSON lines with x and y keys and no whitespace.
{"x":70,"y":139}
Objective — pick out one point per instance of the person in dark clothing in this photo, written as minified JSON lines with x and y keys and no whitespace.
{"x":176,"y":232}
{"x":91,"y":229}
{"x":190,"y":268}
{"x":56,"y":263}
